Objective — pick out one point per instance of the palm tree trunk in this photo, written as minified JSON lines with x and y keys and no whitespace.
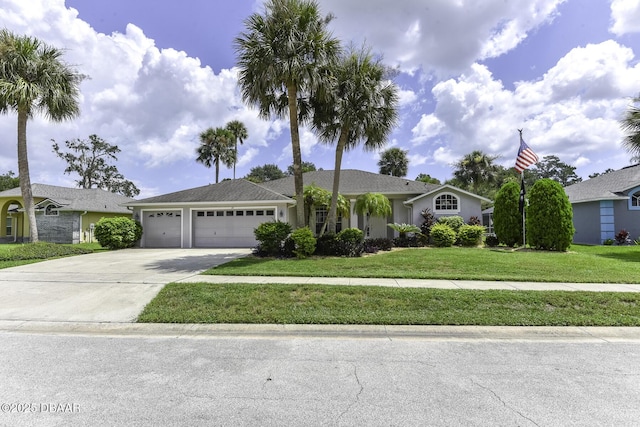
{"x":292,"y":95}
{"x":333,"y":215}
{"x":217,"y":163}
{"x":23,"y":172}
{"x":235,"y":159}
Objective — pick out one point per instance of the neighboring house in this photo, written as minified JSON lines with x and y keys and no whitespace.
{"x":64,"y":215}
{"x":605,"y":205}
{"x":226,"y":214}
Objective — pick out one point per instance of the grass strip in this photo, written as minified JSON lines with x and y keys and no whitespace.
{"x":588,"y":264}
{"x":321,"y":304}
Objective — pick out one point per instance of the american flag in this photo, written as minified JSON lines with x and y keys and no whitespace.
{"x":526,"y":156}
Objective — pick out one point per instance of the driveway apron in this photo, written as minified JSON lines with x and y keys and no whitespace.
{"x":111,"y":286}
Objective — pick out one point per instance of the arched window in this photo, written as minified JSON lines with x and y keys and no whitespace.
{"x":446,"y":202}
{"x":634,"y":199}
{"x":51,"y":210}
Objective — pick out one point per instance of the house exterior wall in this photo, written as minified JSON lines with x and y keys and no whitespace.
{"x":626,"y":219}
{"x":61,"y":228}
{"x":467,"y":207}
{"x":586,"y":221}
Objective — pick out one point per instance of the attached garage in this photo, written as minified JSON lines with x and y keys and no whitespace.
{"x":227,"y":228}
{"x":162,"y":229}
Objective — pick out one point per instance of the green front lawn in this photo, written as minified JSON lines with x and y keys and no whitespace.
{"x":12,"y":255}
{"x":318,"y":304}
{"x":589,"y":264}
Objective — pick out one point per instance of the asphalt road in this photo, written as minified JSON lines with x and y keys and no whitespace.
{"x":89,"y":379}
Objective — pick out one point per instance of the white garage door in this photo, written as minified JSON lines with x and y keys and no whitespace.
{"x":161,"y":229}
{"x":228,"y":228}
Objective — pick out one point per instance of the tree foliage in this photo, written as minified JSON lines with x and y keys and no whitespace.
{"x":90,"y":160}
{"x":216,"y":146}
{"x":394,"y":162}
{"x":426,"y":178}
{"x":34,"y":79}
{"x":549,"y":217}
{"x":551,"y":167}
{"x":507,"y":219}
{"x":475,"y":169}
{"x":283,"y":56}
{"x":240,"y":133}
{"x":360,"y":106}
{"x":265,"y":173}
{"x":630,"y":125}
{"x":9,"y":181}
{"x":305,"y":166}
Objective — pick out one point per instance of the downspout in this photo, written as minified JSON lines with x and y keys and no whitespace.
{"x":82,"y":228}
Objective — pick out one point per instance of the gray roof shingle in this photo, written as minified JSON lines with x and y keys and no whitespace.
{"x":353,"y":182}
{"x":609,"y":186}
{"x":226,"y":191}
{"x":76,"y":199}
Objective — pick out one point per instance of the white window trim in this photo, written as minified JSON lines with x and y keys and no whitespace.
{"x":446,"y":211}
{"x":633,"y":191}
{"x":48,"y":210}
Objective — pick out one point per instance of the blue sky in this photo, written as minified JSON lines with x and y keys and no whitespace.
{"x":471,"y":74}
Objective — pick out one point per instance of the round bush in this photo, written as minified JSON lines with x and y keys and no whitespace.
{"x":271,"y":237}
{"x":304,"y":242}
{"x":443,"y":236}
{"x":350,"y":242}
{"x":454,"y":222}
{"x":118,"y":232}
{"x":470,"y":235}
{"x":549,"y":217}
{"x":507,"y":219}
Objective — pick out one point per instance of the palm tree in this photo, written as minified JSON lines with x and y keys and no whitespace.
{"x":476,"y":168}
{"x":631,"y":126}
{"x":372,"y":204}
{"x":394,"y":162}
{"x":239,"y":131}
{"x":33,"y":78}
{"x":282,"y":59}
{"x":215,"y":147}
{"x":362,"y":107}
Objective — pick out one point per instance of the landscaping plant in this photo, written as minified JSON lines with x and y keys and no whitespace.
{"x":549,"y":217}
{"x":118,"y":232}
{"x":507,"y":219}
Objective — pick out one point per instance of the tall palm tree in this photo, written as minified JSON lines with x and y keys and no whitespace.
{"x":282,"y":59}
{"x":362,"y":108}
{"x":476,"y":168}
{"x":631,"y":126}
{"x":34,"y":79}
{"x":216,"y":147}
{"x":394,"y":162}
{"x":239,"y":131}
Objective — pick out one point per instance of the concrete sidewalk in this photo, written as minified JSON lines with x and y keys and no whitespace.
{"x":418,"y":283}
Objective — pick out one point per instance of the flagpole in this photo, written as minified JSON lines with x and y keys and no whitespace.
{"x":524,"y":228}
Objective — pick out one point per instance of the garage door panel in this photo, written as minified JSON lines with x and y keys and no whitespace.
{"x":220,"y":229}
{"x":162,"y":229}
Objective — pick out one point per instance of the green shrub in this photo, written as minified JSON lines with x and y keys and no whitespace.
{"x":304,"y":242}
{"x":442,"y":235}
{"x":549,"y":216}
{"x":491,"y":240}
{"x":326,"y":244}
{"x":41,"y":250}
{"x":454,"y":222}
{"x":118,"y":232}
{"x":350,"y":242}
{"x":470,"y":235}
{"x":429,"y":220}
{"x":507,"y":219}
{"x":374,"y":245}
{"x":271,"y":237}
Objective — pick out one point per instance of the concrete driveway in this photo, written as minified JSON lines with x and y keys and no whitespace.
{"x":109,"y":286}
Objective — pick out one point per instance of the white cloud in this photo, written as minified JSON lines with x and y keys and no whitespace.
{"x":441,"y":35}
{"x":572,"y":112}
{"x":625,"y":16}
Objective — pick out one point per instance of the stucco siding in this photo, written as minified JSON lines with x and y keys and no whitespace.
{"x":586,"y":221}
{"x":626,"y":219}
{"x":467,"y":207}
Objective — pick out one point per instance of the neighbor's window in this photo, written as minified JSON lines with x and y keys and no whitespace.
{"x":635,"y":199}
{"x":50,"y":210}
{"x":446,"y":202}
{"x":9,"y":227}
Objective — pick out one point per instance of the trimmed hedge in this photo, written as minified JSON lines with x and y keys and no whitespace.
{"x":118,"y":232}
